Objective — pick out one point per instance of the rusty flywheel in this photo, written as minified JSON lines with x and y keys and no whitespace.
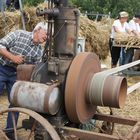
{"x":79,"y":75}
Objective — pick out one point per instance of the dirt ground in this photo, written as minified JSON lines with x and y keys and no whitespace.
{"x":131,"y":109}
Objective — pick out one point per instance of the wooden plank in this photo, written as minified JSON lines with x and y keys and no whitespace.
{"x":133,"y":88}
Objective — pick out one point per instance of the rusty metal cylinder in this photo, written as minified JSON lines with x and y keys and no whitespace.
{"x":107,"y":90}
{"x":24,"y":72}
{"x":65,"y":31}
{"x":35,"y":96}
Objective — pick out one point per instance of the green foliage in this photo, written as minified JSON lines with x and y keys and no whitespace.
{"x":100,"y":6}
{"x":106,"y":6}
{"x":32,"y":2}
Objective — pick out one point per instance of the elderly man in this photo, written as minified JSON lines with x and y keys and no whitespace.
{"x":15,"y":48}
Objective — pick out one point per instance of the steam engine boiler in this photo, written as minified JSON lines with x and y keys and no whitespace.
{"x":66,"y":87}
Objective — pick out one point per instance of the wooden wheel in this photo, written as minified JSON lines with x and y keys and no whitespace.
{"x":19,"y":131}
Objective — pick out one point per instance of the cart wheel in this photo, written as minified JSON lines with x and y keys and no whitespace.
{"x":3,"y":136}
{"x":135,"y":133}
{"x":19,"y":132}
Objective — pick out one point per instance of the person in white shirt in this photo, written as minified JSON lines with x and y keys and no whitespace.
{"x":135,"y":26}
{"x":119,"y":26}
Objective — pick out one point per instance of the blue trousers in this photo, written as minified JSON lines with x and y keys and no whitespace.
{"x":7,"y":79}
{"x":126,"y":56}
{"x":115,"y":53}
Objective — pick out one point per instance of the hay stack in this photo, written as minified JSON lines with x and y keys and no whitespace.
{"x":9,"y":22}
{"x":105,"y":24}
{"x":96,"y":38}
{"x":31,"y":18}
{"x":12,"y":20}
{"x":128,"y":40}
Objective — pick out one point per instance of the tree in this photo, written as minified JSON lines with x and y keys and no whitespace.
{"x":32,"y":2}
{"x":106,"y":6}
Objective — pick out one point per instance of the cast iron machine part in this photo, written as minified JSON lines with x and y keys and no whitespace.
{"x":66,"y":88}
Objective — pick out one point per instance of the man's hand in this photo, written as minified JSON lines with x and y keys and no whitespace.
{"x":17,"y":59}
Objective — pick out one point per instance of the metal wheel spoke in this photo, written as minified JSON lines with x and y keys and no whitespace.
{"x":32,"y":130}
{"x":14,"y":125}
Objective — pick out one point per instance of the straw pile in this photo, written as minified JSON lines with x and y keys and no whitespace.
{"x":96,"y":36}
{"x":12,"y":20}
{"x":8,"y":22}
{"x":128,"y":40}
{"x":105,"y":24}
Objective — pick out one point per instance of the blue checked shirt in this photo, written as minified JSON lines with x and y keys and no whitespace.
{"x":20,"y":42}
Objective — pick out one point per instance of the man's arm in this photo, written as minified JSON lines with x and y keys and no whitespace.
{"x":5,"y":44}
{"x":133,"y":27}
{"x":128,"y":29}
{"x":116,"y":25}
{"x":14,"y":58}
{"x":116,"y":29}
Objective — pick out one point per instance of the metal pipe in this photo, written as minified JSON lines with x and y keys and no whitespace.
{"x":22,"y":16}
{"x":107,"y":90}
{"x":50,"y":12}
{"x":35,"y":96}
{"x":50,"y":39}
{"x":77,"y":14}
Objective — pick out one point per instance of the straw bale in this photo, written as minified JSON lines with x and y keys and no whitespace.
{"x":8,"y":22}
{"x":12,"y":20}
{"x":96,"y":38}
{"x":105,"y":24}
{"x":31,"y":18}
{"x":95,"y":34}
{"x":128,"y":40}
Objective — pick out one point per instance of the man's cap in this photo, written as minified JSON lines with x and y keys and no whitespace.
{"x":123,"y":14}
{"x":41,"y":25}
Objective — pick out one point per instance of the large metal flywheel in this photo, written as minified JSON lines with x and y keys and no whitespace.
{"x":83,"y":67}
